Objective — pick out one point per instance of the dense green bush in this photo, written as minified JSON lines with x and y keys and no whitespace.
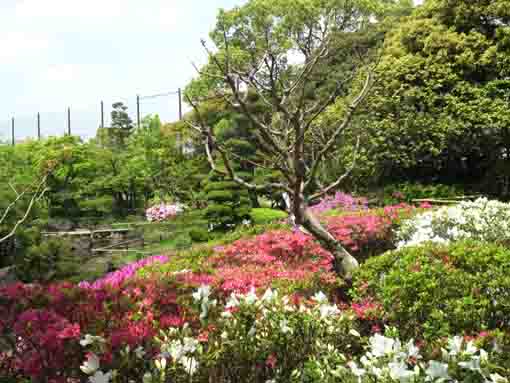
{"x":435,"y":291}
{"x":43,"y":259}
{"x":265,"y":215}
{"x":199,"y":235}
{"x":228,"y":203}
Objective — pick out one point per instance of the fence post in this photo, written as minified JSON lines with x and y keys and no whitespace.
{"x":38,"y":126}
{"x":138,"y":110}
{"x":180,"y":103}
{"x":69,"y":121}
{"x":102,"y":114}
{"x":12,"y":132}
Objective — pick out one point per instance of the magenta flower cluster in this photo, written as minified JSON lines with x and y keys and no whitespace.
{"x":116,"y":278}
{"x":342,"y":201}
{"x":163,"y":211}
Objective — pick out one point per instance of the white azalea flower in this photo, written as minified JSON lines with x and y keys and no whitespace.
{"x":269,"y":295}
{"x":354,"y":333}
{"x":251,"y":297}
{"x":190,"y":344}
{"x":320,"y":297}
{"x":455,"y":345}
{"x":380,"y":345}
{"x":471,"y":348}
{"x":232,"y":301}
{"x":100,"y":377}
{"x":91,"y":365}
{"x":284,"y":328}
{"x":437,"y":371}
{"x":412,"y":350}
{"x":399,"y":371}
{"x":357,"y":371}
{"x":328,"y":310}
{"x":91,"y":339}
{"x":190,"y":365}
{"x":139,"y":352}
{"x":496,"y":378}
{"x":202,"y":293}
{"x":473,"y":364}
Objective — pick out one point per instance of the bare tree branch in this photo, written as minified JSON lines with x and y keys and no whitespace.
{"x":332,"y":186}
{"x":36,"y":197}
{"x":343,"y":125}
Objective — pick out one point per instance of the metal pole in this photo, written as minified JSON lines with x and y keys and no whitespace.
{"x":12,"y":132}
{"x":69,"y":121}
{"x":102,"y":114}
{"x":138,"y":110}
{"x":180,"y":103}
{"x":38,"y":126}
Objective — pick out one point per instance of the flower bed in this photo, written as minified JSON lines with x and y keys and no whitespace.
{"x":109,"y":329}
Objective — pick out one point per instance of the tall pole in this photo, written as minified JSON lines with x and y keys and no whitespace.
{"x":12,"y":132}
{"x":102,"y":114}
{"x":38,"y":125}
{"x":138,"y":110}
{"x":69,"y":121}
{"x":180,"y":103}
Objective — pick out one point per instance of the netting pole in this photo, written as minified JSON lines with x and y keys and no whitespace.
{"x":12,"y":132}
{"x":138,"y":110}
{"x":38,"y":125}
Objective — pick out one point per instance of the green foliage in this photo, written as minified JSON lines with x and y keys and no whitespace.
{"x":199,"y":235}
{"x":435,"y":291}
{"x":43,"y":259}
{"x":439,"y":111}
{"x":228,"y":203}
{"x":266,"y":215}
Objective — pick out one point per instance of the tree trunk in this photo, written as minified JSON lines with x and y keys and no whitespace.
{"x":344,"y":263}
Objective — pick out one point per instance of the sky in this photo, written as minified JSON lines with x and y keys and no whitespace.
{"x":56,"y":54}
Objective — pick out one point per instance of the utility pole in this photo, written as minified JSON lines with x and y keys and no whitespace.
{"x":12,"y":132}
{"x":180,"y":103}
{"x":38,"y":126}
{"x":102,"y":114}
{"x":138,"y":110}
{"x":69,"y":121}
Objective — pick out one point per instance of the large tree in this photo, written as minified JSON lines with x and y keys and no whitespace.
{"x":275,"y":49}
{"x":441,"y":108}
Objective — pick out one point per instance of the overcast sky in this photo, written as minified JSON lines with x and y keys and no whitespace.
{"x":60,"y":53}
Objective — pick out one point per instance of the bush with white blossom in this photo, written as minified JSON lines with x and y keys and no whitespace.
{"x":482,"y":220}
{"x":273,"y":338}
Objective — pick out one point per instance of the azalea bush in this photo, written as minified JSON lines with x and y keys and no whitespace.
{"x":483,"y":219}
{"x":254,"y":338}
{"x":341,"y":201}
{"x":41,"y":326}
{"x":163,"y":211}
{"x":438,"y":290}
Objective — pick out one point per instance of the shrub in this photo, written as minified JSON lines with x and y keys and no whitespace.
{"x":438,"y":290}
{"x":341,"y":201}
{"x":228,"y":203}
{"x":482,"y":220}
{"x":43,"y":259}
{"x":199,"y":235}
{"x":266,"y":215}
